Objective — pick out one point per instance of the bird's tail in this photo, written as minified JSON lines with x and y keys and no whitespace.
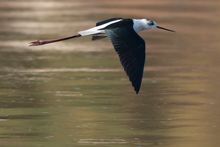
{"x":43,"y":42}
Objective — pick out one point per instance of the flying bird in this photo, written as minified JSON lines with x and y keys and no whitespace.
{"x":123,"y":34}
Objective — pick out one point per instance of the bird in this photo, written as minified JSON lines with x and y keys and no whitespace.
{"x":129,"y":45}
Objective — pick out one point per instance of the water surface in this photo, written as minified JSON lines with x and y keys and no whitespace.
{"x":75,"y":93}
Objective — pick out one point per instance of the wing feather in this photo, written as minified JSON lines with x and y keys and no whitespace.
{"x":106,"y":21}
{"x":131,"y":50}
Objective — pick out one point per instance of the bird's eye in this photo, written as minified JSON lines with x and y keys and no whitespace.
{"x":151,"y":23}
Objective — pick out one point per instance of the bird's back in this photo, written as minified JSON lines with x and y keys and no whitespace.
{"x":98,"y":29}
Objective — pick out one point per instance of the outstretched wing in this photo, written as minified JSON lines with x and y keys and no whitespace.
{"x":131,"y":50}
{"x":106,"y":21}
{"x":100,"y":36}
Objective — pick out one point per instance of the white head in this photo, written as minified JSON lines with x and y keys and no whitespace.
{"x":150,"y":24}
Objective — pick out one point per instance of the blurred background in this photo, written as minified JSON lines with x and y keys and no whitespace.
{"x":75,"y":93}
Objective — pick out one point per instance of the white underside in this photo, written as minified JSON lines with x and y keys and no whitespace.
{"x":97,"y":29}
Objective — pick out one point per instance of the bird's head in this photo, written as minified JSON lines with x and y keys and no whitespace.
{"x":150,"y":24}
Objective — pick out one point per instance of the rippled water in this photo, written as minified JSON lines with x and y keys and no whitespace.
{"x":75,"y":93}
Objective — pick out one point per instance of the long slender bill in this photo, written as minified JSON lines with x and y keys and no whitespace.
{"x":43,"y":42}
{"x":165,"y":29}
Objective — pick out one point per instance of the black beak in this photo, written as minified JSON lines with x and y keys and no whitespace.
{"x":165,"y":29}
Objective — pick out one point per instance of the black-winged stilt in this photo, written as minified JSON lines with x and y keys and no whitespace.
{"x":126,"y":41}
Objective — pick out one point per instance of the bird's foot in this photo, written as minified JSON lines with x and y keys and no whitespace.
{"x":37,"y":42}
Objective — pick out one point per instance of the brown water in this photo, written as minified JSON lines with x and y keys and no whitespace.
{"x":75,"y":93}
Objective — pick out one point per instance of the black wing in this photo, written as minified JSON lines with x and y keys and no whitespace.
{"x":131,"y":50}
{"x":106,"y":21}
{"x":100,"y":36}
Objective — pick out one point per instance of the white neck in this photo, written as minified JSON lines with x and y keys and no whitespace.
{"x":139,"y":25}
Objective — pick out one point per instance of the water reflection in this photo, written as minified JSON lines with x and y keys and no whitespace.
{"x":76,"y":94}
